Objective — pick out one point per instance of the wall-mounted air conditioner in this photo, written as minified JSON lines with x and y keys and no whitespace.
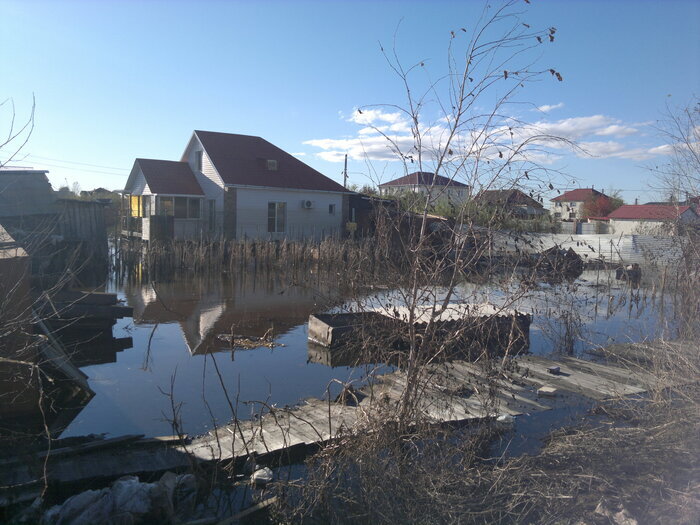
{"x":307,"y":205}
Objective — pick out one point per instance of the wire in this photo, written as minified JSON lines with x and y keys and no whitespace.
{"x":84,"y":170}
{"x":77,"y":163}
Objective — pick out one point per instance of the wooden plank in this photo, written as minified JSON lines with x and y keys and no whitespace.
{"x":514,"y":396}
{"x":569,"y":379}
{"x":611,"y":386}
{"x":612,"y":372}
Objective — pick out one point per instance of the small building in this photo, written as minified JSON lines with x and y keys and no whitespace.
{"x":651,"y":219}
{"x":421,"y":182}
{"x":235,"y":187}
{"x":569,"y":205}
{"x":163,"y":200}
{"x":513,"y":202}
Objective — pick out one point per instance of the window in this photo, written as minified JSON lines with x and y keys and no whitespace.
{"x":198,"y":160}
{"x":180,"y":207}
{"x":193,"y":209}
{"x":146,"y":205}
{"x":135,"y":205}
{"x":271,"y":165}
{"x":276,"y":217}
{"x":331,"y":209}
{"x":166,"y":206}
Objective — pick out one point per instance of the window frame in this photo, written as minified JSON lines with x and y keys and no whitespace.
{"x":276,"y":217}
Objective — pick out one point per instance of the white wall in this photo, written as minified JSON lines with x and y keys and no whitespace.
{"x":316,"y":223}
{"x":138,"y":184}
{"x":565,"y":208}
{"x":211,"y":183}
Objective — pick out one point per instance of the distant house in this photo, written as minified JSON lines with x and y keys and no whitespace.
{"x":650,"y":218}
{"x":232,"y":186}
{"x":421,"y":182}
{"x":513,"y":202}
{"x":569,"y":205}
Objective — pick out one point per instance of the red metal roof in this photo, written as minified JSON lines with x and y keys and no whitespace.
{"x":167,"y":177}
{"x":655,"y":212}
{"x":242,"y":160}
{"x":423,"y":178}
{"x":577,"y":195}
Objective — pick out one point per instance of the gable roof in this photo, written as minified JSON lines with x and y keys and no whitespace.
{"x":242,"y":160}
{"x":577,"y":195}
{"x":423,"y":178}
{"x":507,"y":197}
{"x":653,"y":212}
{"x":167,"y":177}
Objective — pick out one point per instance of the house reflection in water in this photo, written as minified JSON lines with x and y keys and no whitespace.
{"x":242,"y":306}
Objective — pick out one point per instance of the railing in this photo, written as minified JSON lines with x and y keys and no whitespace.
{"x":132,"y":224}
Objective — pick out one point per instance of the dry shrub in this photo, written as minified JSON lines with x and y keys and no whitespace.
{"x":642,"y":462}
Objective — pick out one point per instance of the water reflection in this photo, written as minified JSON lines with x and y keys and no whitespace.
{"x":179,"y":368}
{"x":204,"y":309}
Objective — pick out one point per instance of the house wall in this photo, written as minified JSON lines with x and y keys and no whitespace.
{"x":648,"y":227}
{"x":189,"y":229}
{"x":629,"y":226}
{"x":455,"y":195}
{"x":314,"y":223}
{"x":565,"y":208}
{"x":139,"y":186}
{"x":211,"y":183}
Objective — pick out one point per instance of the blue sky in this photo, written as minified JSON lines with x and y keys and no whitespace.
{"x":118,"y":80}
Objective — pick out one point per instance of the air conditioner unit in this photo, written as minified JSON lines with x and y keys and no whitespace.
{"x":307,"y":205}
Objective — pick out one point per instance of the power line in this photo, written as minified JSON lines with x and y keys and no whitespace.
{"x":77,"y":163}
{"x":84,"y":170}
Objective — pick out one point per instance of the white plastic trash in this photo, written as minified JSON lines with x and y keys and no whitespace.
{"x":262,"y":476}
{"x":505,"y":420}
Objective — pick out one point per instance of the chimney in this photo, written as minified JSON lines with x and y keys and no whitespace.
{"x":636,"y":201}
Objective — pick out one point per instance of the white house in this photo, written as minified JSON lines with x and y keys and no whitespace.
{"x":443,"y":188}
{"x":650,"y":219}
{"x":569,"y":205}
{"x":248,"y":188}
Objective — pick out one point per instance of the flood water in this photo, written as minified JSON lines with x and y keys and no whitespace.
{"x":177,"y":367}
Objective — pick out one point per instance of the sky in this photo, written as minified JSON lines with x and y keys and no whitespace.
{"x":117,"y":80}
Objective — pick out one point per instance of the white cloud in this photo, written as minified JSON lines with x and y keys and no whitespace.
{"x":546,"y":108}
{"x":617,"y":131}
{"x":386,"y":136}
{"x":299,"y":154}
{"x":369,"y":117}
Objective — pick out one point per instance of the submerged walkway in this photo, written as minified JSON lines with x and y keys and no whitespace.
{"x":456,"y":392}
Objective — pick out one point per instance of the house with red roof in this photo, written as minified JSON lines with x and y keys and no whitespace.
{"x":569,"y":205}
{"x":650,"y":218}
{"x":424,"y":183}
{"x":235,"y":187}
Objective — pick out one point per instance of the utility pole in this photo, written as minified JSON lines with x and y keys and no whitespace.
{"x":345,"y":173}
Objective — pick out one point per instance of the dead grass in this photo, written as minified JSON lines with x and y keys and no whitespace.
{"x":642,"y":465}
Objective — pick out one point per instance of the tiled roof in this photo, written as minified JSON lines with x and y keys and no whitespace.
{"x":654,"y":212}
{"x":242,"y":160}
{"x":167,"y":177}
{"x":577,"y":195}
{"x":423,"y":178}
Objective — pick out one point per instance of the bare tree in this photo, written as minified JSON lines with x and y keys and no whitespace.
{"x":475,"y":138}
{"x":16,"y":135}
{"x":680,"y":176}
